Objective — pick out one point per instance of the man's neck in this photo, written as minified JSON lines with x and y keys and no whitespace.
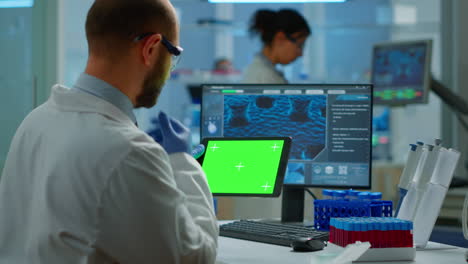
{"x":116,"y":77}
{"x":269,"y":54}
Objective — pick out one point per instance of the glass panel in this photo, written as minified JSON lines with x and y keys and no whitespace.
{"x":15,"y":72}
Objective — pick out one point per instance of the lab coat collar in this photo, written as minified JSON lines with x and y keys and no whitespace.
{"x":265,"y":60}
{"x":269,"y":64}
{"x":97,"y":87}
{"x":73,"y":100}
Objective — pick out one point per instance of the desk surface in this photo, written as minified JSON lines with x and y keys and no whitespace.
{"x":232,"y":250}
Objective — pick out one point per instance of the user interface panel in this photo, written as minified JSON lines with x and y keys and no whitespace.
{"x":330,"y":127}
{"x":401,"y":72}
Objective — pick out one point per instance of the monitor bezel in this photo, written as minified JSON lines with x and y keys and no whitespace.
{"x":427,"y":69}
{"x":363,"y":187}
{"x":282,"y":164}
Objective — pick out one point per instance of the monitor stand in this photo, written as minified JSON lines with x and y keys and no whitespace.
{"x":292,"y":207}
{"x":453,"y":100}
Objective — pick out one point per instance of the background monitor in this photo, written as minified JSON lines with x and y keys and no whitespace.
{"x":330,"y":126}
{"x":401,"y":72}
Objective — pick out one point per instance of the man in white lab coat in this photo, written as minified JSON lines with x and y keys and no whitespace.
{"x":82,"y":184}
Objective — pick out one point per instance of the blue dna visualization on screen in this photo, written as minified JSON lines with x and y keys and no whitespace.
{"x":330,"y":126}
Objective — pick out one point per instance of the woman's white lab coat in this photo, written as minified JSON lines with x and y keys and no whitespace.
{"x":82,"y":184}
{"x":261,"y":70}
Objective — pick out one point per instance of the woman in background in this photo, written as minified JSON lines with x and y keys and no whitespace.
{"x":283,"y":34}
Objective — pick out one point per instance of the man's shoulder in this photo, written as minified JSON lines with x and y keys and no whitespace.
{"x":134,"y":140}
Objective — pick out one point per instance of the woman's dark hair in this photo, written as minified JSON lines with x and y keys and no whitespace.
{"x":267,"y":22}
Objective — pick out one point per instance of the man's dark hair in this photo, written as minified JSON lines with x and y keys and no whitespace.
{"x":111,"y":25}
{"x":267,"y":23}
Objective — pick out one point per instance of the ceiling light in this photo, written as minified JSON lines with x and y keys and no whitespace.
{"x":276,"y":1}
{"x":16,"y":3}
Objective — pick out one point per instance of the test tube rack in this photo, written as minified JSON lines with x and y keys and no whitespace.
{"x":324,"y":210}
{"x":380,"y":232}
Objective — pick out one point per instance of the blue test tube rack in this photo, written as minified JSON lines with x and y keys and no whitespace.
{"x":326,"y":209}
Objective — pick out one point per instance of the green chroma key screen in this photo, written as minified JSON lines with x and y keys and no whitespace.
{"x":245,"y":166}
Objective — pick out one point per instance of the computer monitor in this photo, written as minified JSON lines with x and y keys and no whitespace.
{"x":195,"y":92}
{"x":330,"y":126}
{"x":401,"y":72}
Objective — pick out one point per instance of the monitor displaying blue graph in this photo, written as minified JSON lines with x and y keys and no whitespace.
{"x":330,"y":126}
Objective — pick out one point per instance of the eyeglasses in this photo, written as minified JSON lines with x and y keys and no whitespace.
{"x":295,"y":41}
{"x":176,"y":51}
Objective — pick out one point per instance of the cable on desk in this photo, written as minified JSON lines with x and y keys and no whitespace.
{"x":311,"y":193}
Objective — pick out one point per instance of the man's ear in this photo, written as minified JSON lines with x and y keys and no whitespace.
{"x":150,"y":49}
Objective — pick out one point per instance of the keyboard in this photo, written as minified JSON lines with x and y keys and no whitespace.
{"x":271,"y":233}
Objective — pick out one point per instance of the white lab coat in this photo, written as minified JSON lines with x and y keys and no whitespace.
{"x":263,"y":71}
{"x":260,"y":71}
{"x":82,"y":184}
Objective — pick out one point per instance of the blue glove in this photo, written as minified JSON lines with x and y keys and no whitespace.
{"x":198,"y":151}
{"x":172,"y":135}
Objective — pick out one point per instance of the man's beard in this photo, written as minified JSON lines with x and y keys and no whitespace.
{"x":152,"y":86}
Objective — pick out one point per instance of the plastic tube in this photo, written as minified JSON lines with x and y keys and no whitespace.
{"x":364,"y":196}
{"x":375,"y":196}
{"x":339,"y":195}
{"x":327,"y":194}
{"x":353,"y":195}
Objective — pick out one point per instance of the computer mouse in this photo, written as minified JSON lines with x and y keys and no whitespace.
{"x":305,"y":244}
